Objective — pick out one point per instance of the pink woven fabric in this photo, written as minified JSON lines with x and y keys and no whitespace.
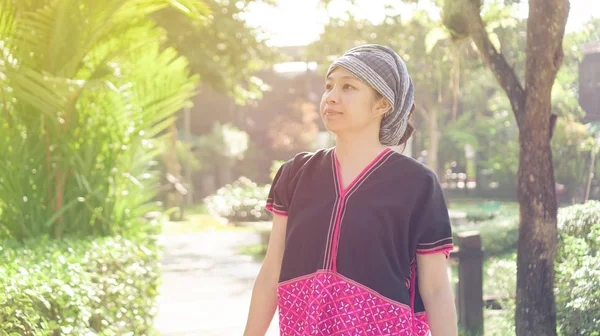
{"x":421,"y":325}
{"x":327,"y":303}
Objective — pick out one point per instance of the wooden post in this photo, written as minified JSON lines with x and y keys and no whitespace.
{"x":470,"y":275}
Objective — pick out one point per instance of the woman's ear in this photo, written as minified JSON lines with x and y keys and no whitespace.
{"x":382,"y":106}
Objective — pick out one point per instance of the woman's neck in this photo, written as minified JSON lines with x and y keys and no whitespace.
{"x":356,"y":152}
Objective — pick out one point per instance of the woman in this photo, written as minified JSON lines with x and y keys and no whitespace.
{"x":361,"y":233}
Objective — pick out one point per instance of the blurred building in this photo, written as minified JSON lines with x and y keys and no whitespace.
{"x":589,"y":82}
{"x":280,"y":124}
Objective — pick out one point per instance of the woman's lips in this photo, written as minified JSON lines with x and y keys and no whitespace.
{"x":331,"y":112}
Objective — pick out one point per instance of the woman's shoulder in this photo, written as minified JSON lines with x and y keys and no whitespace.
{"x":405,"y":166}
{"x":304,"y":159}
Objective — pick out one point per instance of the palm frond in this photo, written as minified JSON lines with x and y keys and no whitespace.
{"x":90,"y":89}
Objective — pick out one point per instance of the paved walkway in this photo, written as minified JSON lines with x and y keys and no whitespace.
{"x":207,"y":284}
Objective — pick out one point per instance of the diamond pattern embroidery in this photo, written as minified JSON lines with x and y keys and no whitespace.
{"x":421,"y":326}
{"x":326,"y":303}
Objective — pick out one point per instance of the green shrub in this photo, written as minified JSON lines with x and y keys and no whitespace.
{"x":577,"y":281}
{"x":498,"y":235}
{"x":582,"y":220}
{"x":82,"y":126}
{"x":480,"y":216}
{"x":103,"y":286}
{"x":578,"y":270}
{"x":240,"y":201}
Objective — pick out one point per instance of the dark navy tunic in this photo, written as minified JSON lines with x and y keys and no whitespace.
{"x":349,"y":265}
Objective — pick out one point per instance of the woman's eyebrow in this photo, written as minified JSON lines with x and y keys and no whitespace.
{"x":341,"y":77}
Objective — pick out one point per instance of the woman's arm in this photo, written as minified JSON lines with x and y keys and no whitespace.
{"x":264,"y":295}
{"x":436,"y":292}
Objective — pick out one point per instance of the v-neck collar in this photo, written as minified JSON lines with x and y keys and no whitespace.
{"x":339,"y":181}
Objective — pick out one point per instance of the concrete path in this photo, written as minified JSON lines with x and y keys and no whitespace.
{"x":207,"y":284}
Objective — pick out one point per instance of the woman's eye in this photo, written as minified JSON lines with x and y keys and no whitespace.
{"x":348,"y":86}
{"x":327,"y":87}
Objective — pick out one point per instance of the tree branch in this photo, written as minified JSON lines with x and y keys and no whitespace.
{"x":423,"y":110}
{"x":504,"y":73}
{"x":544,"y":51}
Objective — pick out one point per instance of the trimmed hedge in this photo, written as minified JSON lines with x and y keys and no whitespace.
{"x":578,"y":270}
{"x":102,"y":286}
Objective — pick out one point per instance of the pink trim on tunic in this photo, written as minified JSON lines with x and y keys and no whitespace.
{"x":272,"y":209}
{"x":340,"y":211}
{"x":446,"y":249}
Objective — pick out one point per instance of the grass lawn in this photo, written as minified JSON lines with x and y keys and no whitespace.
{"x":498,"y":323}
{"x":198,"y":219}
{"x":477,"y":205}
{"x":256,"y":251}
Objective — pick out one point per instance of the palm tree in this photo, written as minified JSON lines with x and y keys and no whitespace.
{"x":85,"y":92}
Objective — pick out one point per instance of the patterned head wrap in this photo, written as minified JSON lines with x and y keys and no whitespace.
{"x":382,"y":68}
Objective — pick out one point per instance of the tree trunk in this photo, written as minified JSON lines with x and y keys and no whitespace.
{"x":434,"y":140}
{"x":536,"y":308}
{"x":429,"y":110}
{"x":455,"y":80}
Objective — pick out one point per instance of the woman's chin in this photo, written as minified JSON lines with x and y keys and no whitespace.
{"x":333,"y":128}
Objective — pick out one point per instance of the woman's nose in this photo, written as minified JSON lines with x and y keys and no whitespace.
{"x":331,"y":96}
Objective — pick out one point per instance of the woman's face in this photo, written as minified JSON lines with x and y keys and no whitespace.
{"x":350,"y":106}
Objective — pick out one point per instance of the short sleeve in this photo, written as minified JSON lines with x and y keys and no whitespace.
{"x":277,"y":200}
{"x":433,"y":229}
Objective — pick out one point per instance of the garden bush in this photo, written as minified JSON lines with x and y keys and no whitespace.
{"x":240,"y":201}
{"x":577,"y":280}
{"x":104,"y":286}
{"x":498,"y":235}
{"x":480,"y":216}
{"x":578,"y":270}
